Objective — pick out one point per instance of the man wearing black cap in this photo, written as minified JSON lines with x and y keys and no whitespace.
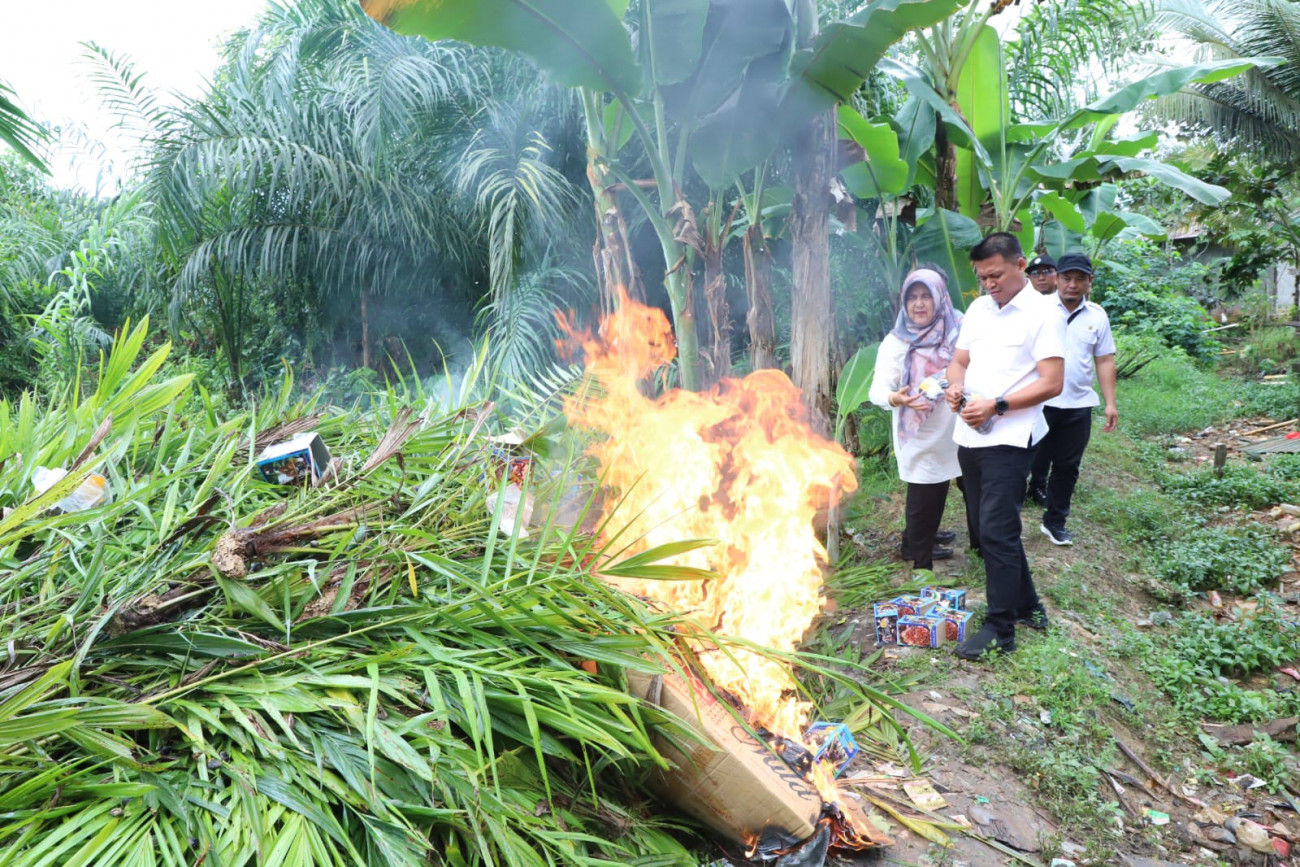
{"x":1089,"y":347}
{"x":1042,"y":273}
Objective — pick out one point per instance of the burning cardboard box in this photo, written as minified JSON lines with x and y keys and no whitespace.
{"x":293,"y":462}
{"x":732,"y":783}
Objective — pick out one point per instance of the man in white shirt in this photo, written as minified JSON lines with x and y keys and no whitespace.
{"x":1009,"y":360}
{"x":1089,"y":346}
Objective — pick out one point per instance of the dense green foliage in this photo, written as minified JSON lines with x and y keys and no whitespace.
{"x":1147,"y":289}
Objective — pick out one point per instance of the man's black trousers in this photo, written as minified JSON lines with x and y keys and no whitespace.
{"x":995,"y":491}
{"x":1055,"y":466}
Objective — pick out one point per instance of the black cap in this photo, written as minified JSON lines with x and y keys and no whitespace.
{"x":1040,"y":263}
{"x":1075,"y":262}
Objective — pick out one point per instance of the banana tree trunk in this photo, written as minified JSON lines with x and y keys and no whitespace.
{"x":945,"y":164}
{"x":811,"y":325}
{"x":681,"y":296}
{"x":615,"y":266}
{"x":715,"y":299}
{"x":758,"y":286}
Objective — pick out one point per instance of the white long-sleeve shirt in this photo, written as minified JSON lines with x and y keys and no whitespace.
{"x":929,"y":455}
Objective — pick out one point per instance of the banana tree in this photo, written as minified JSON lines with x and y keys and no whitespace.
{"x":1014,"y":164}
{"x":895,"y":162}
{"x":711,"y":87}
{"x":1089,"y":219}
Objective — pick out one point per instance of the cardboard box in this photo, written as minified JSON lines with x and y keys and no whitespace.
{"x":956,"y":623}
{"x":833,"y":743}
{"x":947,"y":597}
{"x":294,"y":462}
{"x":886,"y":614}
{"x":914,"y":605}
{"x":922,"y":631}
{"x":732,"y":783}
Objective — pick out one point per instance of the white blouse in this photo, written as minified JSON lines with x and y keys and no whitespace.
{"x":930,"y":454}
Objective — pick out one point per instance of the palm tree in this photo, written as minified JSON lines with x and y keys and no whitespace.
{"x":335,"y":163}
{"x":1260,"y":110}
{"x":17,"y":129}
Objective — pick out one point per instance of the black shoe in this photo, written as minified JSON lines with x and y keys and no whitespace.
{"x":1036,"y":618}
{"x":1037,"y":495}
{"x":941,"y":553}
{"x":1057,"y":535}
{"x":985,"y":641}
{"x":946,"y":537}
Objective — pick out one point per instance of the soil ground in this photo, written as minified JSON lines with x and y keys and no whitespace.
{"x":1015,"y":778}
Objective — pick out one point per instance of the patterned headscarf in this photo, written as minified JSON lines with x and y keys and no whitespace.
{"x":929,"y":347}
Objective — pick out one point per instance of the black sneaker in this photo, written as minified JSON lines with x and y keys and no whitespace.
{"x":946,"y":537}
{"x":1057,"y":535}
{"x":985,"y":641}
{"x":1036,"y":618}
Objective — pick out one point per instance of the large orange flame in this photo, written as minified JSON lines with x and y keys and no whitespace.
{"x":738,"y":464}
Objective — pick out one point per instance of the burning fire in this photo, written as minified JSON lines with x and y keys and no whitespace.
{"x":738,"y":464}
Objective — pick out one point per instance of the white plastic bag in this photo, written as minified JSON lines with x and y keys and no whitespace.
{"x":92,"y":492}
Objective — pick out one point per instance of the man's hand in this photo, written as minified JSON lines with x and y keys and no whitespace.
{"x":979,"y":411}
{"x":1112,"y":418}
{"x":901,"y":398}
{"x":953,"y":396}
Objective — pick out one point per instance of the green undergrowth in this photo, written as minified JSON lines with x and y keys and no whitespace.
{"x":1239,"y":486}
{"x":1200,"y":663}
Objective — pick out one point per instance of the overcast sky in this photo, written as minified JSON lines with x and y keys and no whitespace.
{"x":173,"y":43}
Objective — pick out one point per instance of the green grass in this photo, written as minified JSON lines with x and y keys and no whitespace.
{"x":1172,"y":395}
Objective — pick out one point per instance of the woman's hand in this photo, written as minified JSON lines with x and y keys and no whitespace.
{"x":901,"y":398}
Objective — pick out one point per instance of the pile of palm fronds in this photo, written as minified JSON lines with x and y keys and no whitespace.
{"x":390,"y":678}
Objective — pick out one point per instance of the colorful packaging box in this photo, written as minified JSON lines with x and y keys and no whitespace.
{"x":914,"y":605}
{"x":296,"y":461}
{"x":922,"y":631}
{"x":955,"y":623}
{"x":886,"y":614}
{"x":831,"y":742}
{"x":947,"y":597}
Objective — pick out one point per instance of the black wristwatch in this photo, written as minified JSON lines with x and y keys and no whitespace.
{"x":1000,"y":406}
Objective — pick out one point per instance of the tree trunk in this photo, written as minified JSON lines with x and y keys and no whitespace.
{"x":615,"y":266}
{"x":811,"y":325}
{"x":758,"y":286}
{"x":715,"y":298}
{"x":945,"y":164}
{"x":681,"y":294}
{"x":365,"y":329}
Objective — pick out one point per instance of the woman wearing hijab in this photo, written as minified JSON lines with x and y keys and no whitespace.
{"x":919,"y":348}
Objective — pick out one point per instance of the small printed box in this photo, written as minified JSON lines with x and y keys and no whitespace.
{"x":922,"y":631}
{"x":947,"y":597}
{"x":301,"y":459}
{"x":831,"y":742}
{"x":914,"y":605}
{"x":955,"y":623}
{"x":886,"y":614}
